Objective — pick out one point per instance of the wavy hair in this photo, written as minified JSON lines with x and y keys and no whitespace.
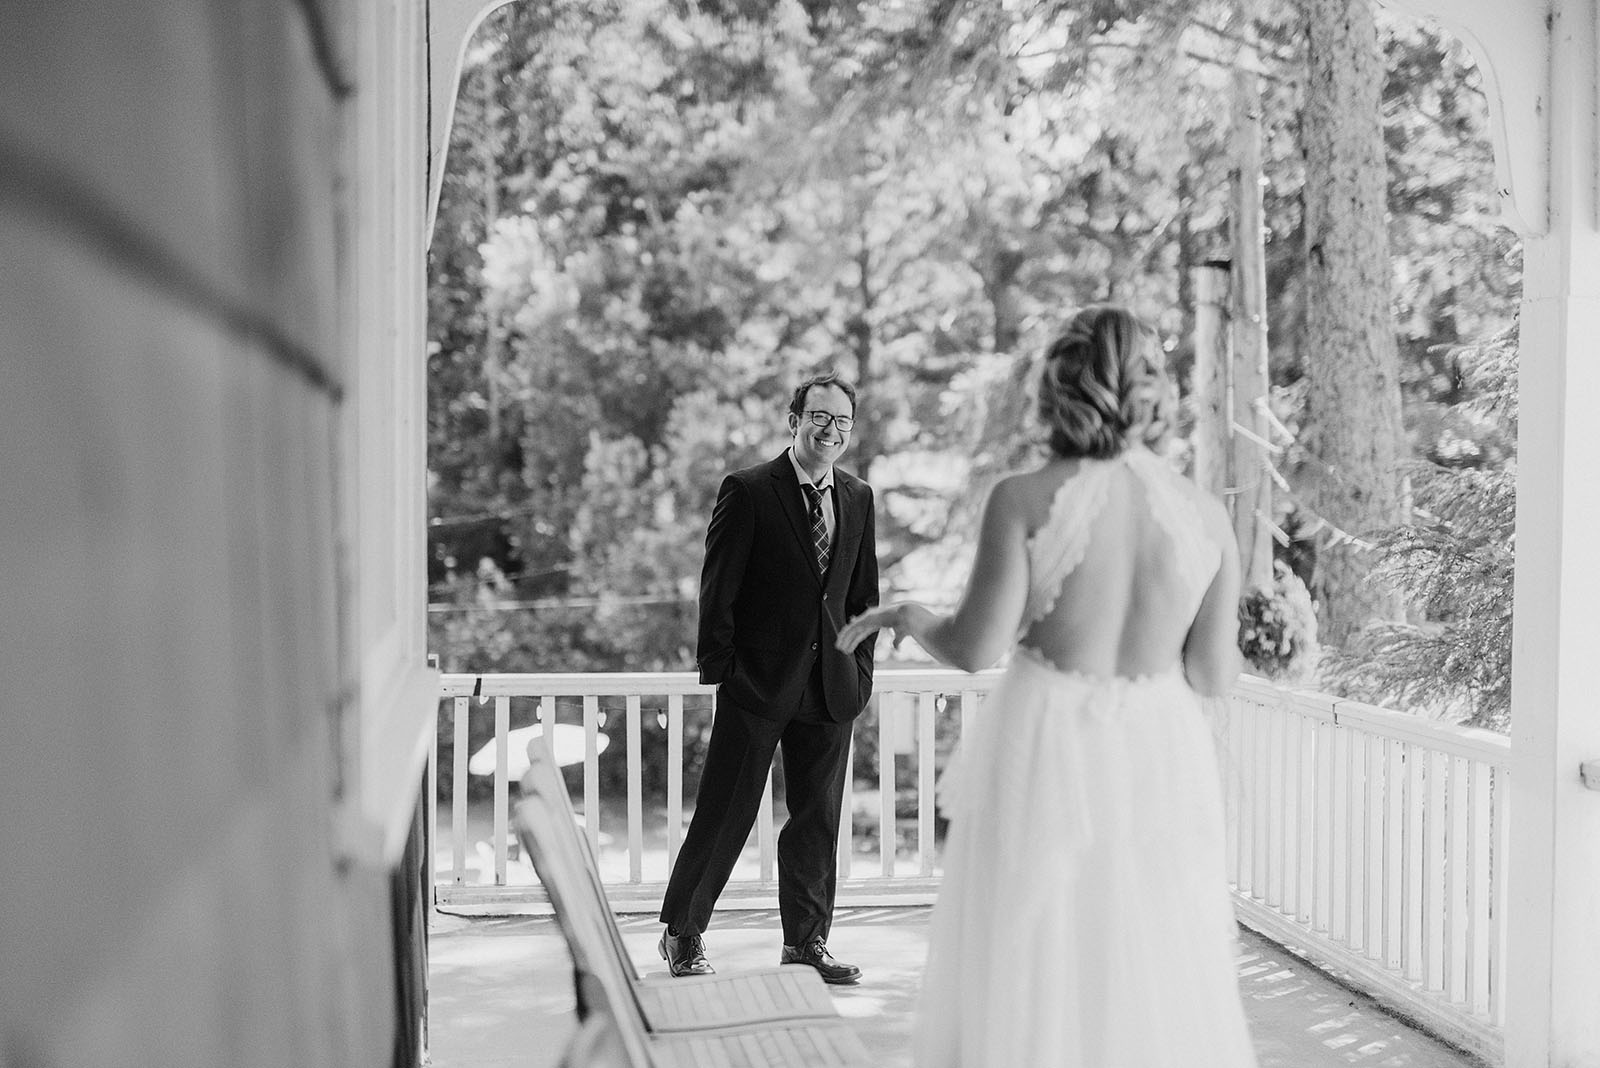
{"x":797,"y":403}
{"x":1104,"y":385}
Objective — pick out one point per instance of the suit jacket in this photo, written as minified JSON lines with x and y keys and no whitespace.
{"x":767,"y":613}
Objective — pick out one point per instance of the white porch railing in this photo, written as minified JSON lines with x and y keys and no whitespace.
{"x":902,"y":719}
{"x":1374,"y":843}
{"x":1367,"y":840}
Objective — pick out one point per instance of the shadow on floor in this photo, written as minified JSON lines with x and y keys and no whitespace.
{"x":500,"y":991}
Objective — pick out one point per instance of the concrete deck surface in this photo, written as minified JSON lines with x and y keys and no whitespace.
{"x":500,"y":991}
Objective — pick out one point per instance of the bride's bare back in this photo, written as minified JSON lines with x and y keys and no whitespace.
{"x":1112,"y":567}
{"x":1120,"y":559}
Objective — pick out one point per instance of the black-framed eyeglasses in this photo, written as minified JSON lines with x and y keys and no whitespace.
{"x":823,"y":419}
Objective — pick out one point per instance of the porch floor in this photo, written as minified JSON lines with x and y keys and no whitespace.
{"x":500,"y":991}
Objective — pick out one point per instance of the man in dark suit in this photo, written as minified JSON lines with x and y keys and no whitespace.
{"x":790,"y":556}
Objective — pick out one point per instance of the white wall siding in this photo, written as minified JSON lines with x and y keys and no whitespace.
{"x":178,"y":361}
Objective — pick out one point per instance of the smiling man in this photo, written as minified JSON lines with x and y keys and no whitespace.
{"x":790,"y":555}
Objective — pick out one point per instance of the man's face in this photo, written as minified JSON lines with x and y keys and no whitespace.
{"x":817,"y":446}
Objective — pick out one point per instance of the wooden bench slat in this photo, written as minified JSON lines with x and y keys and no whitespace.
{"x":814,"y":1044}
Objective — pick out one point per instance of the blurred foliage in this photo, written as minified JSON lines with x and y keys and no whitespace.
{"x":657,"y":216}
{"x":1455,"y":562}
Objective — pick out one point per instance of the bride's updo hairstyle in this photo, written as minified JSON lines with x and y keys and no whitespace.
{"x":1103,"y":385}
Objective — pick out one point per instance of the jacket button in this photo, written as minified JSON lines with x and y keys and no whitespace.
{"x":813,"y":645}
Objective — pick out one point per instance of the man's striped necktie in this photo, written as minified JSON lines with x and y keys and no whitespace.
{"x":819,"y":529}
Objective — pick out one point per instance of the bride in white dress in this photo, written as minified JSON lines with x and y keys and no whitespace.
{"x":1084,"y":919}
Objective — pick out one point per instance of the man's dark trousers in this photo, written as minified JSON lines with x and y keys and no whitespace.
{"x":815,"y":750}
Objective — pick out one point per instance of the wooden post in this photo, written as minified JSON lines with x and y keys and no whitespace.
{"x":1213,"y":358}
{"x":1553,"y":928}
{"x":1252,"y":500}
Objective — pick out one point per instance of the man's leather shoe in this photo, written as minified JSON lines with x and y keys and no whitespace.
{"x":685,"y":954}
{"x":815,"y":954}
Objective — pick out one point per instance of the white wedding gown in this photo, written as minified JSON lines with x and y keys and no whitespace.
{"x":1084,"y":918}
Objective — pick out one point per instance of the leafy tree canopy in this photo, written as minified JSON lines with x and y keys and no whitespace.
{"x":658,"y":215}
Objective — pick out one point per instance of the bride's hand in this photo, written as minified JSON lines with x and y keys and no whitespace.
{"x":854,"y":632}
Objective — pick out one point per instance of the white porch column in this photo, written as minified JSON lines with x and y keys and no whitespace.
{"x":1540,"y":78}
{"x":1553,"y":931}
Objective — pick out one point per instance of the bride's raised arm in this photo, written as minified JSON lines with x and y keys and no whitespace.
{"x":984,"y":624}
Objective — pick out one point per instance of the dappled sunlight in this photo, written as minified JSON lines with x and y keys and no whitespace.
{"x":501,"y":991}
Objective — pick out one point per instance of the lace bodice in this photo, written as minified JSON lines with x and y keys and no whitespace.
{"x":1059,"y":545}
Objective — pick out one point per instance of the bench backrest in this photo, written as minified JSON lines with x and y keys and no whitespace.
{"x":543,"y":779}
{"x":605,"y":986}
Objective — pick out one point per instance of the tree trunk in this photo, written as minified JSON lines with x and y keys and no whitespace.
{"x":1004,"y":265}
{"x":1213,"y":397}
{"x":1247,"y":319}
{"x":1353,"y":429}
{"x":1188,"y":259}
{"x":868,"y":445}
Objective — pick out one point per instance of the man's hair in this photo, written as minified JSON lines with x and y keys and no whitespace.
{"x":797,"y":404}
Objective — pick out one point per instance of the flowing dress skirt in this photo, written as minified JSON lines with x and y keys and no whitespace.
{"x":1084,"y":918}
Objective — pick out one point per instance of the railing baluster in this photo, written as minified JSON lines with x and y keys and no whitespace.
{"x":502,"y":784}
{"x":1356,"y":828}
{"x":1339,"y":840}
{"x":433,"y":815}
{"x":1306,"y":844}
{"x":1480,"y":865}
{"x":458,"y":793}
{"x":886,"y":828}
{"x":925,"y":727}
{"x":1393,"y":853}
{"x":1288,"y":847}
{"x":1277,"y":790}
{"x":591,"y":768}
{"x":1249,"y":787}
{"x":547,"y":724}
{"x":1436,"y":867}
{"x":1239,"y":792}
{"x":970,"y":701}
{"x":1360,"y":845}
{"x":546,"y":713}
{"x":1450,"y":863}
{"x":1325,"y":875}
{"x":674,"y":778}
{"x":1416,"y":852}
{"x":635,"y":729}
{"x":1500,"y":810}
{"x":1372,"y":868}
{"x":1261,"y":844}
{"x":1458,"y":865}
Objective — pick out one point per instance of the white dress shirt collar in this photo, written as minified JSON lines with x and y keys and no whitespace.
{"x":824,"y":483}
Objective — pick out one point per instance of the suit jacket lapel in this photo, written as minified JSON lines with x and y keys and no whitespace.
{"x":789,"y":498}
{"x":847,"y":528}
